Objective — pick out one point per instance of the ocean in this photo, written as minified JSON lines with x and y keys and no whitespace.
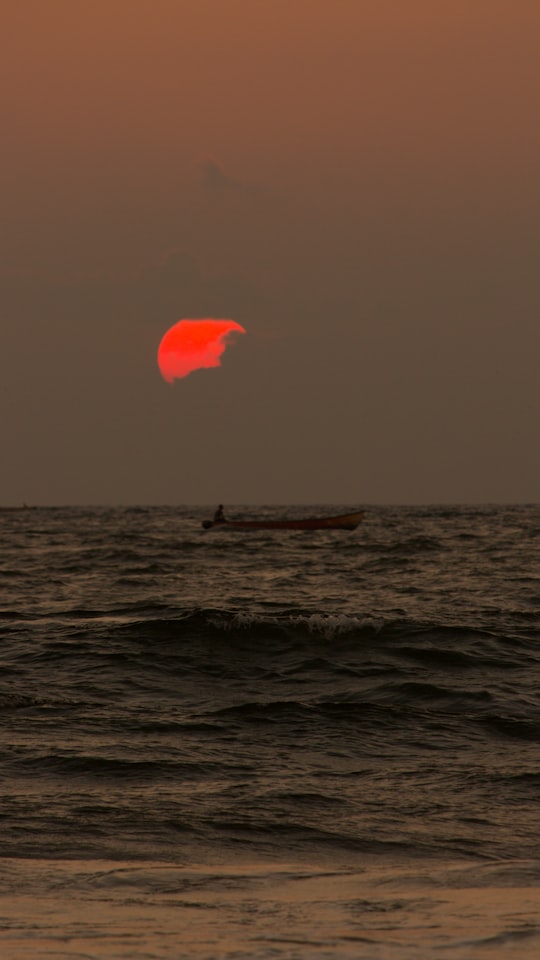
{"x":270,"y":745}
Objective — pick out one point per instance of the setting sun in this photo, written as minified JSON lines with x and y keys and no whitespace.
{"x":193,"y":345}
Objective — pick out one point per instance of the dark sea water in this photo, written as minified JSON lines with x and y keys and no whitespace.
{"x":270,"y":745}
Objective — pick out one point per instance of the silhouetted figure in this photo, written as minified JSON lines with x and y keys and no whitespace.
{"x":219,"y":516}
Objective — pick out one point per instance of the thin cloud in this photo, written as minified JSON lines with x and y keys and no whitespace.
{"x":214,"y":180}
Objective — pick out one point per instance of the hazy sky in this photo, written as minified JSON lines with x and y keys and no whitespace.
{"x":355,"y":182}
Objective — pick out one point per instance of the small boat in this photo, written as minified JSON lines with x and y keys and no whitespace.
{"x":345,"y":521}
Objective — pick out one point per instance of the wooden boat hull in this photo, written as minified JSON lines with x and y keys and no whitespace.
{"x":346,"y":521}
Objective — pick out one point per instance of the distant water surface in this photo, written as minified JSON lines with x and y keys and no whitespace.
{"x":270,"y":744}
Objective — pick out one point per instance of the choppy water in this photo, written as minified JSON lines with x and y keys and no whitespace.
{"x":282,"y":744}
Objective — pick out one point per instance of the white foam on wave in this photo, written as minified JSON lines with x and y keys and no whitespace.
{"x":327,"y":626}
{"x":332,"y":625}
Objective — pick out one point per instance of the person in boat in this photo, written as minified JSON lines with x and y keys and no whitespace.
{"x":219,"y":516}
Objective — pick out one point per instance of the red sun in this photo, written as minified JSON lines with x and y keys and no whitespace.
{"x":193,"y":345}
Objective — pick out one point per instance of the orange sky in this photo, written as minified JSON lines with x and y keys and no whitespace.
{"x":286,"y":91}
{"x":373,"y":165}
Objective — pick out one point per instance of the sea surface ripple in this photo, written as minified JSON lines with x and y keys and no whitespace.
{"x":183,"y":709}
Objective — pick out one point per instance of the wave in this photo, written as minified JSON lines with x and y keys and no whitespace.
{"x":121,"y":769}
{"x":424,"y":641}
{"x":343,"y":642}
